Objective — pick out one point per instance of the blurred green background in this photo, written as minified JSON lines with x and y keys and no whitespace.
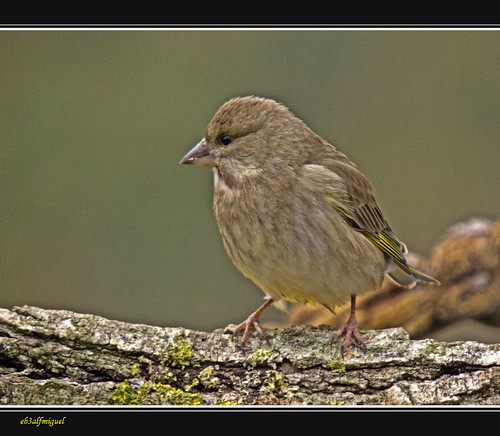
{"x":98,"y":216}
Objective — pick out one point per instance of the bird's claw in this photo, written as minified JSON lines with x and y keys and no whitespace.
{"x":350,"y":329}
{"x":251,"y":323}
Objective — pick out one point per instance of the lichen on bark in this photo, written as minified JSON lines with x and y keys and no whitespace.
{"x":63,"y":357}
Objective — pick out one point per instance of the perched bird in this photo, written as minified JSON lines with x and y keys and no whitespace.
{"x":296,"y":215}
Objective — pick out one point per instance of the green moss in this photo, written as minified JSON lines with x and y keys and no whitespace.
{"x":179,"y":353}
{"x":123,"y":394}
{"x":134,"y":370}
{"x":153,"y":393}
{"x":166,"y":388}
{"x":337,"y":403}
{"x":434,"y":348}
{"x":126,"y":395}
{"x":261,"y":357}
{"x":275,"y":382}
{"x":337,"y":367}
{"x":175,"y":396}
{"x":208,"y":379}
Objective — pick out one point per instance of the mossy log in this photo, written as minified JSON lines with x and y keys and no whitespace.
{"x":61,"y":357}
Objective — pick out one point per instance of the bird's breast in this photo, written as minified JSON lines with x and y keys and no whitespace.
{"x":292,"y":244}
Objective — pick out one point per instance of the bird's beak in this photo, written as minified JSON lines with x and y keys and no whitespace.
{"x":199,"y":155}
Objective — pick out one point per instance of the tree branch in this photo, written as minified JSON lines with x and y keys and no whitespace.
{"x":62,"y":357}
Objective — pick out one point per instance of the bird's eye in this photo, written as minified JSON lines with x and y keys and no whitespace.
{"x":226,"y":139}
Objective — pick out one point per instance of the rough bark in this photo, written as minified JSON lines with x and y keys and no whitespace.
{"x":62,"y":357}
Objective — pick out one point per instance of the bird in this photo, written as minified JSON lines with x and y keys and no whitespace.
{"x":296,"y":215}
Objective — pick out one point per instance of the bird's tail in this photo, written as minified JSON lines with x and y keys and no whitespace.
{"x":402,"y":277}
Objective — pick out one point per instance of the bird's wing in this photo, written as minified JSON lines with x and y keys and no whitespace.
{"x":363,"y":214}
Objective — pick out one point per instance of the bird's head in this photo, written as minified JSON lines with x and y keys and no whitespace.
{"x":248,"y":135}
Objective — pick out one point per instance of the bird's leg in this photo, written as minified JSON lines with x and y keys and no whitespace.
{"x":252,"y":323}
{"x":350,"y":329}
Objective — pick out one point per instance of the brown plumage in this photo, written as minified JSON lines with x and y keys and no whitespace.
{"x":295,"y":214}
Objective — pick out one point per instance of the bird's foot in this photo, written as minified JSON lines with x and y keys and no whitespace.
{"x":247,"y":326}
{"x":252,"y":323}
{"x":350,"y":330}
